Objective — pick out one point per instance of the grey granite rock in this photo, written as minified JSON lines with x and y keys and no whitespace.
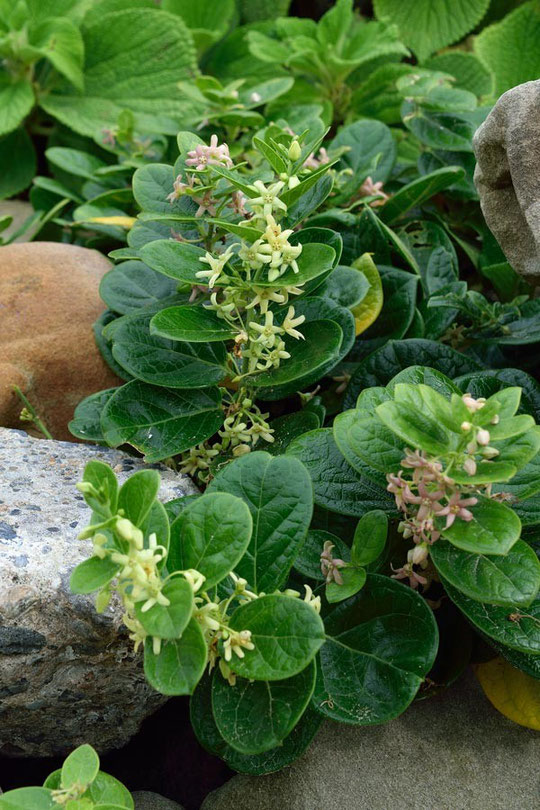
{"x":452,"y":752}
{"x":67,"y":674}
{"x":507,"y":148}
{"x":144,"y":800}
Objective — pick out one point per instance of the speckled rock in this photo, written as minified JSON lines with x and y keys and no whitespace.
{"x":144,"y":800}
{"x":451,"y":752}
{"x":67,"y":674}
{"x":507,"y":148}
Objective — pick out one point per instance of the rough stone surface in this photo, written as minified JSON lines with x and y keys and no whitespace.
{"x":67,"y":675}
{"x":452,"y":752}
{"x":144,"y":800}
{"x":49,"y":300}
{"x":507,"y":148}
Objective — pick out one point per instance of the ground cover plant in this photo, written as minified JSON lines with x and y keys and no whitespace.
{"x":312,"y":319}
{"x":79,"y":785}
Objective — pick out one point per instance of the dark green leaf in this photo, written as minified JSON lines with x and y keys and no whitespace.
{"x":161,"y":422}
{"x":279,"y":495}
{"x":255,"y":716}
{"x":508,"y":580}
{"x":380,"y":645}
{"x":192,"y":324}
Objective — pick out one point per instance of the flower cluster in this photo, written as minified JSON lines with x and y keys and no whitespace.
{"x":430,"y":499}
{"x":330,"y":565}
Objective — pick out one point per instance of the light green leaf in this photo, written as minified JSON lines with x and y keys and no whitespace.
{"x":81,"y":767}
{"x":30,"y":798}
{"x":493,"y":529}
{"x":509,"y":48}
{"x":168,"y":621}
{"x":211,"y":535}
{"x":92,"y":574}
{"x":178,"y":667}
{"x":468,"y":70}
{"x":369,"y":537}
{"x":428,"y":25}
{"x":286,"y":632}
{"x":137,"y":495}
{"x":59,"y":40}
{"x":134,"y":60}
{"x":354,"y":579}
{"x":16,"y":101}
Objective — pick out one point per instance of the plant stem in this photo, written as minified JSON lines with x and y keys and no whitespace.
{"x":31,"y":411}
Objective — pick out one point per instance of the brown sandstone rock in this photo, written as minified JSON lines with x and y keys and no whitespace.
{"x":49,"y":300}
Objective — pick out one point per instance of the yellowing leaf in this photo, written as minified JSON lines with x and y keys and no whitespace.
{"x":368,"y":310}
{"x":511,"y":691}
{"x":123,"y":222}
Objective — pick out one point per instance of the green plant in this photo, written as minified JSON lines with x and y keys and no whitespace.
{"x":215,"y":582}
{"x":78,"y":785}
{"x":57,"y":62}
{"x":463,"y":470}
{"x":241,"y":298}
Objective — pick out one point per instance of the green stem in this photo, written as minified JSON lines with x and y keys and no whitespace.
{"x":32,"y":413}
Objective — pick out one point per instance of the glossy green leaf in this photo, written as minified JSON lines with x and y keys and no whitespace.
{"x":192,"y":324}
{"x":160,"y":361}
{"x":493,"y":529}
{"x":211,"y":536}
{"x":279,"y":496}
{"x":380,"y":646}
{"x":179,"y":666}
{"x":396,"y":355}
{"x":277,"y":758}
{"x":286,"y":632}
{"x":308,"y":562}
{"x":289,"y":427}
{"x":132,"y":285}
{"x":175,"y":259}
{"x":161,"y":422}
{"x":508,"y":580}
{"x":310,"y":360}
{"x":255,"y":716}
{"x":366,"y":442}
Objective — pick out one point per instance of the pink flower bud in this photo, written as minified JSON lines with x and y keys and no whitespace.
{"x":482,"y":437}
{"x":470,"y":466}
